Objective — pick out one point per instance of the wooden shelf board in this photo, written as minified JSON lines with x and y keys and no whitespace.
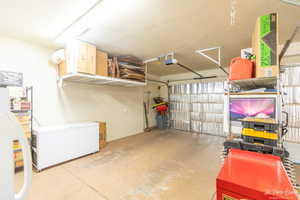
{"x":254,"y":83}
{"x":207,"y":102}
{"x":252,"y":93}
{"x":99,"y":80}
{"x":204,"y":121}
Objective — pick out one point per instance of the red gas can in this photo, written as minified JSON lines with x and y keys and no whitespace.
{"x":241,"y":69}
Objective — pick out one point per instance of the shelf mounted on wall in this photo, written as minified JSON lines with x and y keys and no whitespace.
{"x":98,"y":80}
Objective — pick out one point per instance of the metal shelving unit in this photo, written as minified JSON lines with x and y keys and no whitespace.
{"x":254,"y":83}
{"x":292,"y":106}
{"x":21,"y":113}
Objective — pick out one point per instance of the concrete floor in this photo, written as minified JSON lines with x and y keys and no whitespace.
{"x":159,"y":165}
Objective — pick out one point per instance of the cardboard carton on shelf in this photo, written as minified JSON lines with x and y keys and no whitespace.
{"x":17,"y":145}
{"x":101,"y":63}
{"x":19,"y":163}
{"x":18,"y":156}
{"x":265,"y":46}
{"x":80,"y":57}
{"x":23,"y":119}
{"x":26,"y":128}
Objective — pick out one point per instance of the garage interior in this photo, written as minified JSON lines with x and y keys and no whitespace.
{"x":150,"y":100}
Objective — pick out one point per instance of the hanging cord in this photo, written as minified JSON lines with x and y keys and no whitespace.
{"x":232,"y":12}
{"x":213,"y":196}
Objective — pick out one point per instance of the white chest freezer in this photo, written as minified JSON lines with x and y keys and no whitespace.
{"x":56,"y":144}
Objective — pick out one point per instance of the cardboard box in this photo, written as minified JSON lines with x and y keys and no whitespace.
{"x":18,"y":156}
{"x":16,"y":145}
{"x":102,"y":144}
{"x":26,"y":128}
{"x":19,"y":163}
{"x":62,"y":68}
{"x":24,"y":118}
{"x":265,"y":46}
{"x":101,"y":63}
{"x":102,"y":134}
{"x":80,"y":57}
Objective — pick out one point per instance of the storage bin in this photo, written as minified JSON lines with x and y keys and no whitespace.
{"x":162,"y":121}
{"x":241,"y":69}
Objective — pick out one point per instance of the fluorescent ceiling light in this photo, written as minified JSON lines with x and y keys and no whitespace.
{"x":76,"y":28}
{"x":102,"y":12}
{"x":71,"y":33}
{"x":293,"y":2}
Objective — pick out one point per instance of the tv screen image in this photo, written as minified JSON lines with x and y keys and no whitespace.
{"x":241,"y":108}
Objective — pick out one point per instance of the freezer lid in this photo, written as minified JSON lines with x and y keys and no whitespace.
{"x":49,"y":129}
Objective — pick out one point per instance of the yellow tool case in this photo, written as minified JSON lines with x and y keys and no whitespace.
{"x":259,"y":134}
{"x":259,"y":137}
{"x":260,"y":131}
{"x":261,"y":125}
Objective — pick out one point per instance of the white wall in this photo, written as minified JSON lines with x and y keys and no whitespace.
{"x":120,"y":107}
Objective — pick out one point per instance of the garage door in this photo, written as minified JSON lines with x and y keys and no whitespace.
{"x":291,"y":84}
{"x":198,"y":107}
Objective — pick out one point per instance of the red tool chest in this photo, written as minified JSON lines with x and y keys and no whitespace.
{"x":253,"y":176}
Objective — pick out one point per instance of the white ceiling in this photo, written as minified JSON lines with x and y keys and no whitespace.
{"x":39,"y":21}
{"x":148,"y":28}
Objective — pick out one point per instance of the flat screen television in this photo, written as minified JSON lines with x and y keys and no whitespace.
{"x":241,"y":108}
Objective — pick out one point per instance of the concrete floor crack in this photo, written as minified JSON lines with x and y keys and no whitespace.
{"x":86,"y":184}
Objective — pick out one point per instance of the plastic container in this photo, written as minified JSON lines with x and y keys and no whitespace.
{"x":162,"y":121}
{"x":241,"y":69}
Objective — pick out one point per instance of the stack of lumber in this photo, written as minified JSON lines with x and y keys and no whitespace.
{"x":127,"y":67}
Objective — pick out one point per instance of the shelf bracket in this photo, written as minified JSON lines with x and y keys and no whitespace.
{"x":202,"y":53}
{"x":216,"y":61}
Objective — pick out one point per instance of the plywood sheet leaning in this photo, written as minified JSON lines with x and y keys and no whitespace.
{"x":131,"y":59}
{"x":132,"y":72}
{"x":131,"y":68}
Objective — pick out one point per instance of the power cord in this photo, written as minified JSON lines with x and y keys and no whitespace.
{"x":213,"y":196}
